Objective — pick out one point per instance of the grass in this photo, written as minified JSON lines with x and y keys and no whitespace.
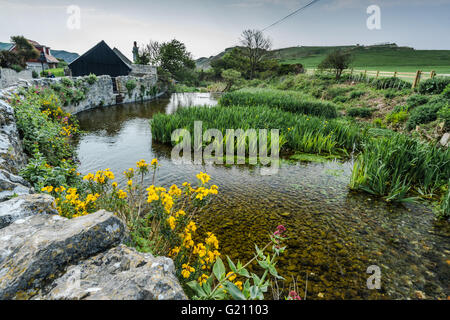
{"x":383,"y":58}
{"x":286,"y":100}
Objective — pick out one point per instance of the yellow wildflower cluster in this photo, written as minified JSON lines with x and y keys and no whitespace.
{"x":69,"y":203}
{"x":187,"y":270}
{"x":142,"y":165}
{"x":202,"y":279}
{"x":101,"y":176}
{"x":203,"y":177}
{"x":203,"y":192}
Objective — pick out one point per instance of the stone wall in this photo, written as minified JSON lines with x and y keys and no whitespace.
{"x":101,"y":93}
{"x":9,"y":77}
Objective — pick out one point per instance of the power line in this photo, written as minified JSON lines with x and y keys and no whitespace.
{"x":291,"y":14}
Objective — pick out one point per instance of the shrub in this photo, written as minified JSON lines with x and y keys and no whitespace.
{"x":46,"y":131}
{"x":91,"y":79}
{"x":444,"y":114}
{"x":446,"y":92}
{"x":130,"y":85}
{"x":67,"y":82}
{"x":34,"y":74}
{"x":397,"y":116}
{"x":422,"y":114}
{"x":356,"y":94}
{"x":434,"y":85}
{"x":393,"y":82}
{"x":416,"y":100}
{"x":360,"y":112}
{"x":286,"y":100}
{"x":341,"y":99}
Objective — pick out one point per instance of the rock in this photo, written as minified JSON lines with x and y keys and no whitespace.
{"x":25,"y":206}
{"x":11,"y":185}
{"x":445,"y":140}
{"x":121,"y":273}
{"x":37,"y":249}
{"x":12,"y":157}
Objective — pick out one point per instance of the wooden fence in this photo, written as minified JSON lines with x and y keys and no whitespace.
{"x":414,"y":77}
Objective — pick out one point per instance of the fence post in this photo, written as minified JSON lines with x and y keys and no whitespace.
{"x":395,"y":74}
{"x":416,"y":79}
{"x":378,"y":72}
{"x":433,"y":74}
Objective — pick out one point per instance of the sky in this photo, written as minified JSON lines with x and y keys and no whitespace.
{"x":209,"y":26}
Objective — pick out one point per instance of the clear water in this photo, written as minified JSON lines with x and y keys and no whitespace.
{"x":334,"y":234}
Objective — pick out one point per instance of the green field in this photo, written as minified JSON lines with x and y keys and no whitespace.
{"x":385,"y":58}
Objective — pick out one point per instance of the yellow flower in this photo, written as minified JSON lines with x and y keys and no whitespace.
{"x":203,"y":177}
{"x":130,"y":183}
{"x":231,"y":276}
{"x":122,"y":194}
{"x":154,"y":162}
{"x":238,"y":284}
{"x":191,"y":227}
{"x":180,"y":213}
{"x":114,"y":184}
{"x":203,"y":278}
{"x":142,"y":164}
{"x":172,"y":222}
{"x":48,"y":189}
{"x":174,"y":191}
{"x":212,"y":241}
{"x":89,"y":177}
{"x":175,"y":251}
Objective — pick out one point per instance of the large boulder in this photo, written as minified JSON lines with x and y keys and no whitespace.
{"x":120,"y":273}
{"x":25,"y":206}
{"x":37,"y":249}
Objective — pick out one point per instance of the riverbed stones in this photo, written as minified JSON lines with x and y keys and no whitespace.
{"x":35,"y":250}
{"x":120,"y":273}
{"x":25,"y":206}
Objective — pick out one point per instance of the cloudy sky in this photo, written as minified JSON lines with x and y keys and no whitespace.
{"x":209,"y":26}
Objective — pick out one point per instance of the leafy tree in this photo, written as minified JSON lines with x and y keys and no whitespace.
{"x":230,"y":76}
{"x":24,"y":49}
{"x":175,"y":59}
{"x":150,"y":53}
{"x":255,"y":48}
{"x":337,"y":60}
{"x":233,"y":59}
{"x":10,"y":60}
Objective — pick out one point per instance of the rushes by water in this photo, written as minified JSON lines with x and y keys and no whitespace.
{"x":393,"y":166}
{"x":291,"y":101}
{"x":297,"y":132}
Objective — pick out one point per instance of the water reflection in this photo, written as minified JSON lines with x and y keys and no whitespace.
{"x":334,"y":234}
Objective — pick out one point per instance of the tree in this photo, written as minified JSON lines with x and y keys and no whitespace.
{"x":150,"y":53}
{"x":337,"y":60}
{"x":230,"y":76}
{"x":255,"y":48}
{"x":10,"y":60}
{"x":232,"y":59}
{"x":175,"y":59}
{"x":24,"y":49}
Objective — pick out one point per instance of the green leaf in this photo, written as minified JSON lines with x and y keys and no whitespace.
{"x":263,"y":264}
{"x":194,"y":285}
{"x":234,"y":291}
{"x":243,"y":272}
{"x":219,"y":269}
{"x":232,"y":265}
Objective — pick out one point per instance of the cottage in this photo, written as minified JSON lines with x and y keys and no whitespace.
{"x":35,"y":64}
{"x":100,"y":60}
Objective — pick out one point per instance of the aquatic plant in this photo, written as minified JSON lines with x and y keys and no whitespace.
{"x":297,"y":132}
{"x":393,"y":166}
{"x":285,"y":100}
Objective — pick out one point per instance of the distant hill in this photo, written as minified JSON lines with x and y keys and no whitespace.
{"x":66,"y":56}
{"x":386,"y":57}
{"x":58,"y":54}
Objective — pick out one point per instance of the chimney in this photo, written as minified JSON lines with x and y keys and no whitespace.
{"x":135,"y":52}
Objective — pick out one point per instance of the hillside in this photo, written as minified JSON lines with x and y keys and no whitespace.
{"x":387,"y":57}
{"x":58,"y":54}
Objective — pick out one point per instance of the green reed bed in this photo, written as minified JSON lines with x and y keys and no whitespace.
{"x":393,"y":167}
{"x":298,"y":133}
{"x":291,"y":101}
